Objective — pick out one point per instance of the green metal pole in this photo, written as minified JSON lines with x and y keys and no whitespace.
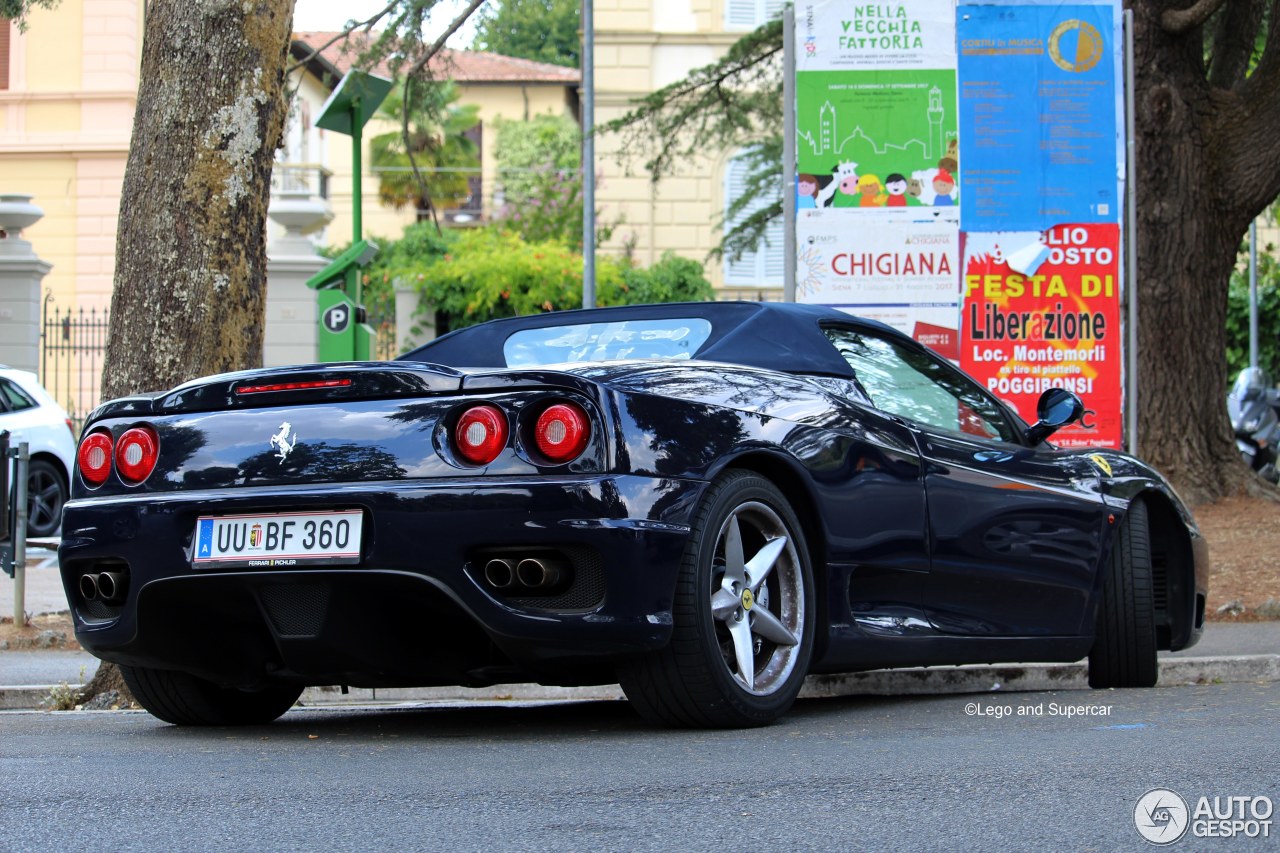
{"x":355,"y":276}
{"x":357,"y":170}
{"x":357,"y":191}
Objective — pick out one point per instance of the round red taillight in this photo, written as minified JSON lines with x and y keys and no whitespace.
{"x":136,"y":454}
{"x":94,"y":458}
{"x":481,"y":434}
{"x":561,"y":432}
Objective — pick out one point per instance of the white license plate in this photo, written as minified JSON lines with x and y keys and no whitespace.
{"x":278,"y":539}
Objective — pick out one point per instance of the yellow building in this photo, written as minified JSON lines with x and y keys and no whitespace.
{"x":641,"y":46}
{"x":65,"y":119}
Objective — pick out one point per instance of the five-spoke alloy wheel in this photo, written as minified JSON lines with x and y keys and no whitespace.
{"x":743,"y":616}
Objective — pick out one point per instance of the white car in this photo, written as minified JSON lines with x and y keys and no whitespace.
{"x":30,"y":414}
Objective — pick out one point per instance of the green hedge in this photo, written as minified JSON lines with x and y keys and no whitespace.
{"x":469,"y":276}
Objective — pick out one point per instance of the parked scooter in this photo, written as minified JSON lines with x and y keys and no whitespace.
{"x":1254,"y":407}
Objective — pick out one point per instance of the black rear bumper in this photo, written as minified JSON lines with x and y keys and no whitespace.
{"x":417,"y":610}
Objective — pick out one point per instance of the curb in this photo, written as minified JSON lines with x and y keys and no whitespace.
{"x":1010,"y":678}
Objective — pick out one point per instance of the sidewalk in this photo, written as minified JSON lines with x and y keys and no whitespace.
{"x":1228,"y":652}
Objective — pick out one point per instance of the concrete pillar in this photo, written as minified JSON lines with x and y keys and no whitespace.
{"x":413,"y":328}
{"x":21,"y":272}
{"x":293,"y":319}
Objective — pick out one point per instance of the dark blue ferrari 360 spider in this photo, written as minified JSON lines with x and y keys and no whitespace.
{"x":704,"y":502}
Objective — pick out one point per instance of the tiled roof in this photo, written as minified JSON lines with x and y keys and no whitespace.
{"x":464,"y":66}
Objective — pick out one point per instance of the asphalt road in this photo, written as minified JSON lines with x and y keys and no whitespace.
{"x":919,"y":773}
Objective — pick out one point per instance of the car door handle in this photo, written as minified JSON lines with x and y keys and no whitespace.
{"x":993,"y":456}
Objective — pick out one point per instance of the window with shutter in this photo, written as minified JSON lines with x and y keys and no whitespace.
{"x":749,"y":14}
{"x":764,"y":266}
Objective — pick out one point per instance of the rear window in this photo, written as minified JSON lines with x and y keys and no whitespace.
{"x":667,"y":339}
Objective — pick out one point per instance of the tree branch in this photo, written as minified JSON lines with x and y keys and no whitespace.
{"x":1260,"y":87}
{"x":438,"y":44}
{"x":1234,"y":43}
{"x":1244,"y":124}
{"x":724,"y":104}
{"x":1179,"y":21}
{"x":366,"y":25}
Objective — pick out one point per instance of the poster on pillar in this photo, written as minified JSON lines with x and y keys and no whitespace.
{"x":904,"y":274}
{"x":1042,"y":310}
{"x":1041,"y":114}
{"x":876,"y":113}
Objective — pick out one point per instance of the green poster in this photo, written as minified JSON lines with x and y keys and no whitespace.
{"x":883,"y":138}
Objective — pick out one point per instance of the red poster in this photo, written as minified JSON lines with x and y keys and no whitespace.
{"x":1043,"y":310}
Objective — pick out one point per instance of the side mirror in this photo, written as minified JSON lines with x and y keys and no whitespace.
{"x":1057,"y":408}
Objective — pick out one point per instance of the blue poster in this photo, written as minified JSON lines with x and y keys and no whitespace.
{"x":1039,"y":116}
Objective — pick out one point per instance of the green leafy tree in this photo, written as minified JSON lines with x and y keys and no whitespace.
{"x":542,"y":30}
{"x":538,"y":166}
{"x":1206,"y":117}
{"x":521,"y":147}
{"x":437,"y":137}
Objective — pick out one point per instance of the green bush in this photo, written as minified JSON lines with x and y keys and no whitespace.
{"x":468,"y":276}
{"x":672,"y":279}
{"x":1268,"y":315}
{"x":490,"y":273}
{"x":403,"y":259}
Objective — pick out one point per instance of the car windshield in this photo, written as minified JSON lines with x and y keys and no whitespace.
{"x":666,"y":339}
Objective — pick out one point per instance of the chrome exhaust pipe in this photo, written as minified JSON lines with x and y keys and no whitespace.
{"x":111,"y":587}
{"x":538,"y":572}
{"x":89,"y":587}
{"x":500,"y":573}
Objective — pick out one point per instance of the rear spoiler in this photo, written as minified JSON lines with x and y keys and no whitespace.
{"x":334,"y":382}
{"x":282,"y":386}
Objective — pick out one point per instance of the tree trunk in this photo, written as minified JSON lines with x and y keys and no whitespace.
{"x":1195,"y":198}
{"x":191,"y":257}
{"x":190,"y":278}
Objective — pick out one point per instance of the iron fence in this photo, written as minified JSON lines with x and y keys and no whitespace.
{"x":73,"y":342}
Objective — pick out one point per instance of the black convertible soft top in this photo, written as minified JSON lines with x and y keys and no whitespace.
{"x":782,"y":336}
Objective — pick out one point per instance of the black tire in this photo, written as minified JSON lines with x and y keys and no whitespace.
{"x":1124,"y":646}
{"x":186,"y":700}
{"x":698,"y":679}
{"x":46,"y":494}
